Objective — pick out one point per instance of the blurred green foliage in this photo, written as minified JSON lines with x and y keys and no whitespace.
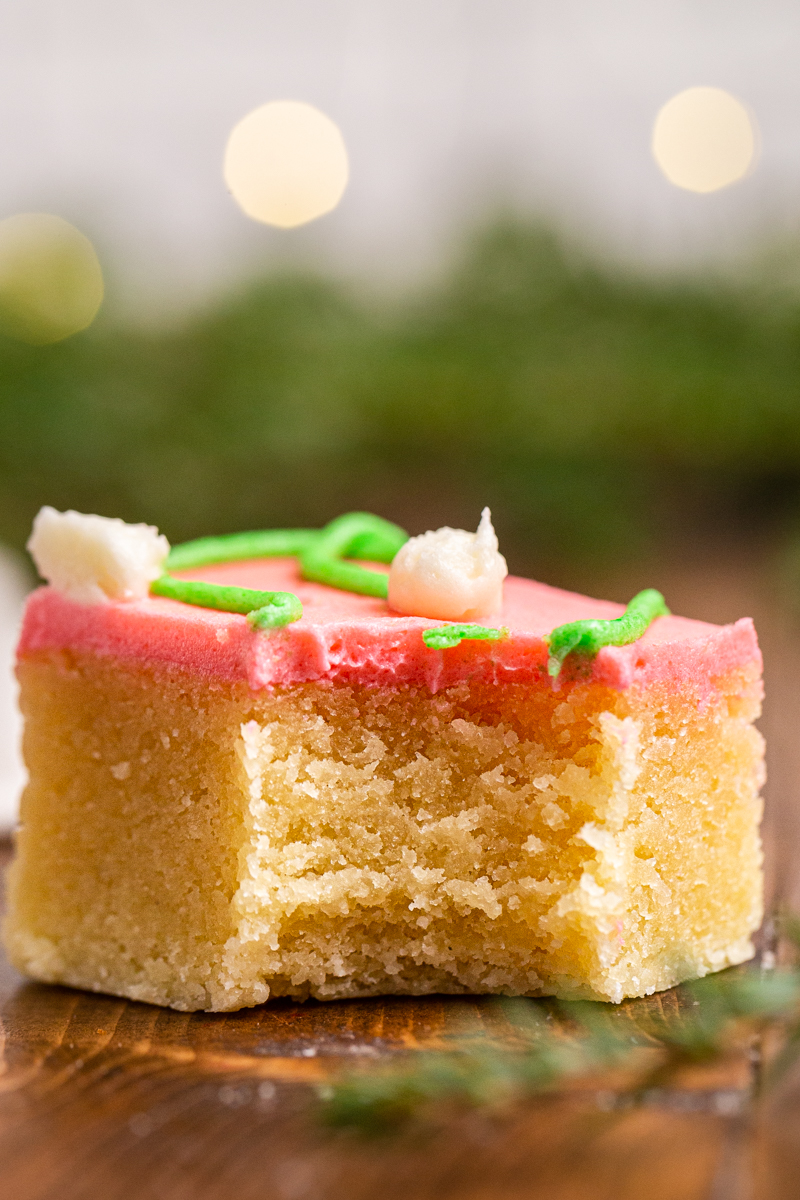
{"x":594,"y":410}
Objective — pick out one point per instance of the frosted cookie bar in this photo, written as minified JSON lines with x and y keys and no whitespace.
{"x":346,"y":800}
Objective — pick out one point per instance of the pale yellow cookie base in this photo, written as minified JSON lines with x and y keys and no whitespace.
{"x":196,"y":845}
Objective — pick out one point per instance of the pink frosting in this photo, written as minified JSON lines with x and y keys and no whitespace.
{"x":357,"y":639}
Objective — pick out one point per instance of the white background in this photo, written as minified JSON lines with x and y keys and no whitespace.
{"x":115,"y":115}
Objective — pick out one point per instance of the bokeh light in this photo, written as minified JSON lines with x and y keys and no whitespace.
{"x":51,"y":283}
{"x":286,"y":164}
{"x":704,"y":139}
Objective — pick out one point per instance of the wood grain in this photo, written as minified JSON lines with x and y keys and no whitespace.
{"x":104,"y":1099}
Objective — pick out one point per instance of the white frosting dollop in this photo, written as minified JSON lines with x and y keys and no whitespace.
{"x":90,"y":559}
{"x":449,"y":574}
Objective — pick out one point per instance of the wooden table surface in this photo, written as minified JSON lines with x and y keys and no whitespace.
{"x":105,"y":1099}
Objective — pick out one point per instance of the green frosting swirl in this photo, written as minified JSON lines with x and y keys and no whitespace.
{"x":321,"y":554}
{"x":262,"y":543}
{"x":444,"y":637}
{"x":264,"y":610}
{"x":588,"y":637}
{"x":355,"y":535}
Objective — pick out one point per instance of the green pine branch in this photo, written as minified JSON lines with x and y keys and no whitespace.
{"x":723,"y":1009}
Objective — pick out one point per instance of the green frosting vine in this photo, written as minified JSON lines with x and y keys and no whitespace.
{"x":355,"y":535}
{"x":588,"y":637}
{"x":321,"y":554}
{"x":265,"y":610}
{"x":444,"y":637}
{"x":263,"y":543}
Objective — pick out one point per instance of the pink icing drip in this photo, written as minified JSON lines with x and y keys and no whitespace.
{"x":357,"y":639}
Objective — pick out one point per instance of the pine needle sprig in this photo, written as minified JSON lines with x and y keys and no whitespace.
{"x":722,"y":1011}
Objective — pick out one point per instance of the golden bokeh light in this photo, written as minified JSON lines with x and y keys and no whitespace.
{"x":51,"y":284}
{"x":704,"y":139}
{"x":286,"y":164}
